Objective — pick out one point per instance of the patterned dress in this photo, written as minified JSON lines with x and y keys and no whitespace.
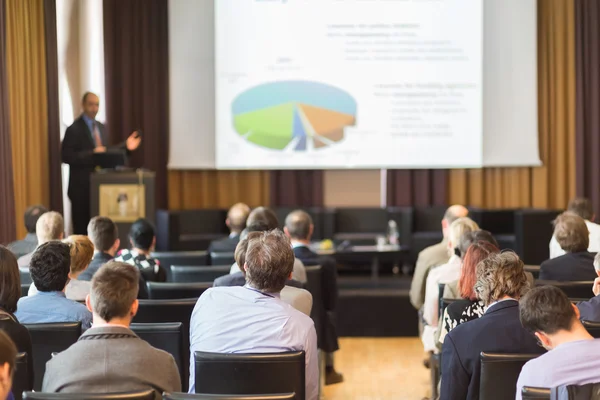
{"x":459,"y":312}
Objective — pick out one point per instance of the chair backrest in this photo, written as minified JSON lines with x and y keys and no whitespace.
{"x":499,"y":374}
{"x":222,"y":258}
{"x":198,"y":274}
{"x":591,"y":391}
{"x":47,"y":339}
{"x":168,"y":258}
{"x":169,"y":290}
{"x":533,"y":270}
{"x":201,"y":396}
{"x":593,"y":328}
{"x":444,"y":303}
{"x":144,"y":395}
{"x":441,"y":287}
{"x":361,"y":220}
{"x":250,"y":373}
{"x":21,"y":377}
{"x":314,"y":284}
{"x":167,"y":336}
{"x":25,"y":289}
{"x":534,"y":393}
{"x":574,"y":290}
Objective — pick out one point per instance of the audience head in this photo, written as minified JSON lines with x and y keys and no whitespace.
{"x":269,"y":261}
{"x":476,"y":253}
{"x":90,"y":103}
{"x":582,"y":207}
{"x":499,"y":276}
{"x":242,"y":248}
{"x":32,"y":214}
{"x":82,"y":252}
{"x":468,"y":238}
{"x":50,"y":266}
{"x":236,"y":217}
{"x":547,"y":311}
{"x":571,"y":232}
{"x":141,"y":235}
{"x":456,"y":231}
{"x":104,"y":234}
{"x":8,"y":359}
{"x":49,"y":226}
{"x":113,"y":296}
{"x":10,"y":281}
{"x":452,"y":214}
{"x":299,"y":225}
{"x":263,"y":215}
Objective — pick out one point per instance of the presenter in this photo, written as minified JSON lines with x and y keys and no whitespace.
{"x":82,"y":140}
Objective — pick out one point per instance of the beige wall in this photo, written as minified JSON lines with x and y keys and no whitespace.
{"x":352,"y":188}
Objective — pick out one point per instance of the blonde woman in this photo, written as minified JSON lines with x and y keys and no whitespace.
{"x":82,"y":251}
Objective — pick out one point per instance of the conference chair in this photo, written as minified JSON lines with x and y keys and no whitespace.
{"x":167,"y":336}
{"x":198,"y":274}
{"x":574,"y":290}
{"x":250,"y":373}
{"x":25,"y":276}
{"x":576,"y":392}
{"x":25,"y":289}
{"x":47,"y":339}
{"x":21,"y":377}
{"x":593,"y":328}
{"x":533,"y":270}
{"x":314,"y":284}
{"x":499,"y":374}
{"x":187,"y":396}
{"x":535,"y":393}
{"x":222,"y":258}
{"x":168,"y":258}
{"x":169,"y":290}
{"x":144,"y":395}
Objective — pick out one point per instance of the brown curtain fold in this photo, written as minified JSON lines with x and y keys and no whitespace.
{"x":553,"y":184}
{"x":588,"y":100}
{"x":301,"y":188}
{"x":417,"y":187}
{"x":54,"y":170}
{"x":136,"y":78}
{"x":7,"y":200}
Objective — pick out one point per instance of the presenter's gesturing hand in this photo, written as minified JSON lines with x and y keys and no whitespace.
{"x":133,"y":141}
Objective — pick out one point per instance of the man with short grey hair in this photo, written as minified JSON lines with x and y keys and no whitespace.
{"x":253,"y":318}
{"x":50,"y":226}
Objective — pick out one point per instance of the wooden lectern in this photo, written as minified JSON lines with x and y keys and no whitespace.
{"x":123,"y":196}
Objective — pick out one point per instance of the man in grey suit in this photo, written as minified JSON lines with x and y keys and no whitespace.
{"x":109,"y":357}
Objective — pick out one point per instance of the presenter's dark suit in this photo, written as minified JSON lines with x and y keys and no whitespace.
{"x":225,"y":245}
{"x":499,"y":330}
{"x":330,"y":293}
{"x":569,"y":267}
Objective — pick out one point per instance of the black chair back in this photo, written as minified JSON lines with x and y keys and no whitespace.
{"x":499,"y":374}
{"x":21,"y":377}
{"x":47,"y":339}
{"x":167,"y":336}
{"x":145,"y":395}
{"x":169,"y":290}
{"x":534,"y":393}
{"x":444,"y":303}
{"x":187,"y":396}
{"x":25,"y":276}
{"x":593,"y":328}
{"x":168,"y":258}
{"x":574,"y":290}
{"x":198,"y":274}
{"x":591,"y":391}
{"x":250,"y":373}
{"x":314,"y":284}
{"x":222,"y":258}
{"x":25,"y":289}
{"x":441,"y":287}
{"x":533,"y":270}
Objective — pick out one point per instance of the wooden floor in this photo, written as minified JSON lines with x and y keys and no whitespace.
{"x":380,"y":369}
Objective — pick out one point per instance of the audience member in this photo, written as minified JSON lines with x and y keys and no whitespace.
{"x":82,"y":251}
{"x":433,"y":256}
{"x":49,"y":269}
{"x":590,"y":310}
{"x":501,"y":281}
{"x":583,"y":208}
{"x":10,"y":292}
{"x":30,"y":241}
{"x":266,"y":217}
{"x":49,"y":226}
{"x":8,"y":359}
{"x":572,"y":357}
{"x":577,"y":264}
{"x":446,"y":273}
{"x":143,"y":241}
{"x":104,"y":234}
{"x":299,"y":228}
{"x":253,"y":318}
{"x":109,"y":357}
{"x":236,"y":222}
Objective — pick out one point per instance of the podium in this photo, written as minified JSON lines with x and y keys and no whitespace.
{"x":123,"y":196}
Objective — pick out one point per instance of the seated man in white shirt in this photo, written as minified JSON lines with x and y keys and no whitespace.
{"x":253,"y":318}
{"x":582,"y":207}
{"x":572,"y":358}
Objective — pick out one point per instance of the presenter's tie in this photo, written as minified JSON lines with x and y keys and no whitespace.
{"x":97,"y":138}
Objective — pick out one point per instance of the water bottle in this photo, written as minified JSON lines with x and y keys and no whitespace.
{"x":392,"y":232}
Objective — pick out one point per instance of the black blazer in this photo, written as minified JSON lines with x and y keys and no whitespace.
{"x":99,"y":260}
{"x":225,"y":245}
{"x":569,"y":267}
{"x":238,"y":279}
{"x":330,"y":286}
{"x":499,"y":330}
{"x":590,"y":310}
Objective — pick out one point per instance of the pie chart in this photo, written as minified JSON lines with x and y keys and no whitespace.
{"x":293,"y":115}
